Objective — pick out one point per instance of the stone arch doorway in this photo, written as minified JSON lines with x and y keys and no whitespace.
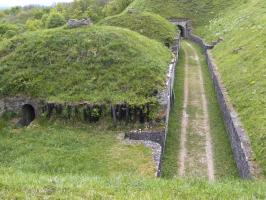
{"x":28,"y":115}
{"x":182,"y":29}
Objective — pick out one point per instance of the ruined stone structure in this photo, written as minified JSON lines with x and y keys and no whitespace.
{"x":74,"y":23}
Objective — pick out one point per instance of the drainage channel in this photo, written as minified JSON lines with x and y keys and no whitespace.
{"x":197,"y":144}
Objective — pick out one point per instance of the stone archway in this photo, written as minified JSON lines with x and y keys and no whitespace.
{"x":184,"y":25}
{"x":182,"y":29}
{"x":28,"y":115}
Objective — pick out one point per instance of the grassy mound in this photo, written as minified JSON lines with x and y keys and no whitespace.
{"x":199,"y":11}
{"x":241,"y":61}
{"x":96,"y":64}
{"x":148,"y":24}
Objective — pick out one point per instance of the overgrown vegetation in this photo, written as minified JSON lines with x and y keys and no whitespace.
{"x":97,"y":64}
{"x":200,"y":12}
{"x":114,"y":7}
{"x":148,"y":24}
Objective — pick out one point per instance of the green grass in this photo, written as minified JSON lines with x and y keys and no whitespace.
{"x":200,"y":12}
{"x":58,"y":149}
{"x":170,"y":157}
{"x":241,"y":62}
{"x":147,"y":24}
{"x":97,"y":64}
{"x":114,"y":7}
{"x":34,"y":186}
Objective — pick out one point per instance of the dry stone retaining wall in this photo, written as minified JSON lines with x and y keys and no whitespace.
{"x":239,"y":140}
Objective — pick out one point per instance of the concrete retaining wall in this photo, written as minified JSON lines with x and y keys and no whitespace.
{"x":239,"y":140}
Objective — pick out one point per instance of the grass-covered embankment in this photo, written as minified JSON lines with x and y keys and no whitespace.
{"x":148,"y":24}
{"x":241,"y":62}
{"x":97,"y":64}
{"x":60,"y":149}
{"x":200,"y":12}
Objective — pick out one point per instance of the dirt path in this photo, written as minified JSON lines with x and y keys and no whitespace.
{"x":196,"y":154}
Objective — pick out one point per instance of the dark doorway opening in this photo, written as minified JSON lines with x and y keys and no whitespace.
{"x":182,"y":29}
{"x":28,"y":115}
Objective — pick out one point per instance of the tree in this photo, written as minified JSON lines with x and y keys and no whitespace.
{"x":54,"y":20}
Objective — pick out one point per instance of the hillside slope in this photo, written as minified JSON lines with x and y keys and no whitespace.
{"x":96,"y":64}
{"x":148,"y":24}
{"x":242,"y":63}
{"x":200,"y":12}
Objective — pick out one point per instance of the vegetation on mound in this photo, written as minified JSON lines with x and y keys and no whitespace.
{"x":57,"y":149}
{"x":115,"y":7}
{"x":241,"y":62}
{"x":96,"y":64}
{"x":148,"y":24}
{"x":198,"y":11}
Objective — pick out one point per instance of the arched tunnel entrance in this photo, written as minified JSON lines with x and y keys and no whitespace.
{"x":28,"y":115}
{"x":182,"y":29}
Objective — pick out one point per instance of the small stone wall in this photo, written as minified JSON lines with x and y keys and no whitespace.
{"x":239,"y":140}
{"x":15,"y":104}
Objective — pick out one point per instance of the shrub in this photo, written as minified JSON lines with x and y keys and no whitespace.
{"x":116,"y":6}
{"x":8,"y":27}
{"x":33,"y":24}
{"x":55,"y":20}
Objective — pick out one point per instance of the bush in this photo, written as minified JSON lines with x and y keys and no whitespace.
{"x":8,"y":27}
{"x":10,"y":34}
{"x":55,"y":20}
{"x":33,"y":24}
{"x":116,"y":7}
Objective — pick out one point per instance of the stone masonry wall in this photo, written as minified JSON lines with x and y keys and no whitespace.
{"x":166,"y":99}
{"x":15,"y":104}
{"x":239,"y":140}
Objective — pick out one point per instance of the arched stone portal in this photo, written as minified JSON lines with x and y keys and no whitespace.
{"x":28,"y":115}
{"x":182,"y":29}
{"x":184,"y":25}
